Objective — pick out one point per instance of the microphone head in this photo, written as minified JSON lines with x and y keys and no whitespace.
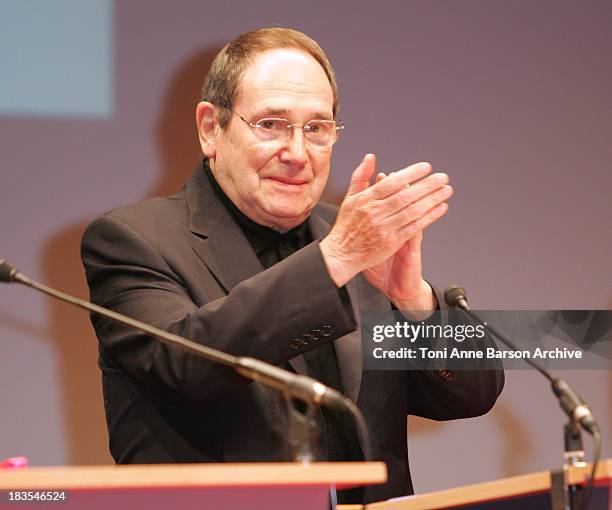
{"x":453,"y":295}
{"x":7,"y":272}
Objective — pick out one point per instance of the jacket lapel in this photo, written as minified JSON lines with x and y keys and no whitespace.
{"x":222,"y":246}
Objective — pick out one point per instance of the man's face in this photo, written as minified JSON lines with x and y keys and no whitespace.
{"x":276,"y":184}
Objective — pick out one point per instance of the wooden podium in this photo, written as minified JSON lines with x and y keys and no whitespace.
{"x":269,"y":486}
{"x":526,"y":492}
{"x":273,"y":486}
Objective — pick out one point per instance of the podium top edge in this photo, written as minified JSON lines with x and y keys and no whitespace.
{"x":342,"y":474}
{"x":503,"y":488}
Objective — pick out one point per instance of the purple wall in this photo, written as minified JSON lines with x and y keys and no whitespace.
{"x":512,"y":99}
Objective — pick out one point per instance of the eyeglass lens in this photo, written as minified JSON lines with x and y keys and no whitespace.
{"x":317,"y":132}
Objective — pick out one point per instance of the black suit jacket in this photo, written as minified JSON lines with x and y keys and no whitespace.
{"x":182,"y":264}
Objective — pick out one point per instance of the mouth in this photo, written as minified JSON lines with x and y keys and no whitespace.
{"x":288,"y":181}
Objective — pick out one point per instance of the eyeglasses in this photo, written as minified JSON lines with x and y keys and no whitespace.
{"x":319,"y":133}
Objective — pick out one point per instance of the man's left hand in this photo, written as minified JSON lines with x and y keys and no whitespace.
{"x":400,"y":277}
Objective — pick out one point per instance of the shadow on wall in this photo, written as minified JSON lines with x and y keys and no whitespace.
{"x":177,"y":138}
{"x":76,"y":344}
{"x":517,"y":442}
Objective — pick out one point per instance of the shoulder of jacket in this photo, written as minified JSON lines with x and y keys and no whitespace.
{"x":140,"y":215}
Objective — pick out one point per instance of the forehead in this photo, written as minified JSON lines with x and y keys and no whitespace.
{"x":285,"y":80}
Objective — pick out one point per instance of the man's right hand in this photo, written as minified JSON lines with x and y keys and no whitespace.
{"x":376,"y":220}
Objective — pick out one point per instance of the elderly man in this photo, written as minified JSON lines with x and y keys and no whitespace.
{"x":245,"y":259}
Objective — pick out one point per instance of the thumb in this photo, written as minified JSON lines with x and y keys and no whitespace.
{"x":412,"y":247}
{"x":360,"y":179}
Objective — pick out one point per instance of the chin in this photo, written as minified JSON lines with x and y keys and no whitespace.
{"x":289,"y":209}
{"x":288,"y":218}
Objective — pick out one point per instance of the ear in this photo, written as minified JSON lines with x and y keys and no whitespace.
{"x":208,"y":127}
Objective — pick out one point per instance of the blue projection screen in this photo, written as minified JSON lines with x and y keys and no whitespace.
{"x":56,"y":58}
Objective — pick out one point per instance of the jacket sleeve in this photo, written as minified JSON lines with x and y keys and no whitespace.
{"x":443,"y":394}
{"x":264,"y":316}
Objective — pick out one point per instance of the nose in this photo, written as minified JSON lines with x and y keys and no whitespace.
{"x":294,"y":149}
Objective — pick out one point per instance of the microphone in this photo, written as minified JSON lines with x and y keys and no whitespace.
{"x":293,"y":385}
{"x":300,"y":386}
{"x":455,"y":297}
{"x":572,"y":404}
{"x":7,"y":272}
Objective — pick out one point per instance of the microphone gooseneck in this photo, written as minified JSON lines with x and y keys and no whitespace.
{"x":294,"y":385}
{"x":572,"y":404}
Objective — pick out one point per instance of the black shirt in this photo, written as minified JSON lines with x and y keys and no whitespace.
{"x":339,"y":439}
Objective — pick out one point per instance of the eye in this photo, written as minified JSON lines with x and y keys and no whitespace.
{"x":313,"y":127}
{"x":272,"y":124}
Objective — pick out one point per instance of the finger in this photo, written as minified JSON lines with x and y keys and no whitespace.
{"x":411,"y":247}
{"x":422,"y":206}
{"x":360,"y":179}
{"x":400,"y":179}
{"x":408,"y":195}
{"x":418,"y":209}
{"x":423,"y":222}
{"x":380,"y":176}
{"x":414,"y":245}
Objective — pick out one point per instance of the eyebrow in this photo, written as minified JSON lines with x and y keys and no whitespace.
{"x":283,"y":111}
